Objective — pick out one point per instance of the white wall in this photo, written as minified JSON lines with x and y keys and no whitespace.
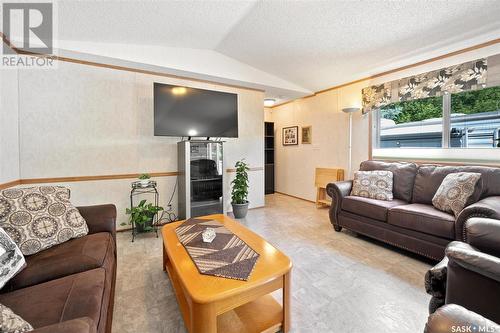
{"x":268,"y":114}
{"x":295,"y":165}
{"x":79,"y":120}
{"x":9,"y":136}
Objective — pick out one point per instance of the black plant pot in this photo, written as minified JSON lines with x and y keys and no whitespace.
{"x":143,"y":227}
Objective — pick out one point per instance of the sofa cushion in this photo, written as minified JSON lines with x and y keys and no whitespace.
{"x":37,"y":218}
{"x":423,"y":218}
{"x":71,"y":297}
{"x":75,"y":256}
{"x":430,"y":177}
{"x":404,"y":176}
{"x":372,"y":208}
{"x":373,"y":184}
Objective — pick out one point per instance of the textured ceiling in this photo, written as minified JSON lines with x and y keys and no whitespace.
{"x":188,"y":24}
{"x":314,"y":44}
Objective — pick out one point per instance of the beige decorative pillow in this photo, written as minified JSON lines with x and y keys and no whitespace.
{"x":11,"y":259}
{"x":11,"y":322}
{"x":37,"y":218}
{"x":373,"y":185}
{"x":454,"y":191}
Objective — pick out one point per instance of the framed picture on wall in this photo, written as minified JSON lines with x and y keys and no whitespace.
{"x":307,"y":135}
{"x":290,"y":136}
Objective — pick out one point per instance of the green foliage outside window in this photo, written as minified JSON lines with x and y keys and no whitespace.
{"x":476,"y":101}
{"x":415,"y":110}
{"x":469,"y":102}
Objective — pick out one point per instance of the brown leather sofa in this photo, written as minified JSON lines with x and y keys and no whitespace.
{"x":469,"y":275}
{"x":410,"y":221}
{"x":70,"y":287}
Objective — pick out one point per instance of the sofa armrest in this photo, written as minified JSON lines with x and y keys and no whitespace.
{"x":435,"y":284}
{"x":473,"y":260}
{"x":451,"y":317}
{"x":337,"y":191}
{"x":484,"y":235}
{"x":488,"y":208}
{"x":435,"y":279}
{"x":101,"y":218}
{"x":79,"y":325}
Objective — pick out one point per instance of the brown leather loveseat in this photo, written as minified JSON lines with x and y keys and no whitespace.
{"x":69,"y":288}
{"x":465,"y":285}
{"x":410,"y":221}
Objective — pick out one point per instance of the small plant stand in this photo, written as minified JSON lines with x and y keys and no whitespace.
{"x":139,"y":189}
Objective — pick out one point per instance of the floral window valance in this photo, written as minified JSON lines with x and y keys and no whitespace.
{"x":467,"y":76}
{"x":376,"y":96}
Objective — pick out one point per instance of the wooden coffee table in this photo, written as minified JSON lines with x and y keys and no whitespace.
{"x":212,"y":304}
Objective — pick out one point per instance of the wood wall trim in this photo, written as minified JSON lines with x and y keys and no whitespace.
{"x":395,"y":70}
{"x":72,"y":179}
{"x":121,"y":68}
{"x":93,"y":178}
{"x":10,"y":184}
{"x":251,"y":169}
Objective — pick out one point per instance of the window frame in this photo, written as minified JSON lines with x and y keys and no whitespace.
{"x":446,"y":132}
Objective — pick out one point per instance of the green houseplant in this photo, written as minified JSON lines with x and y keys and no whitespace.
{"x":144,"y":178}
{"x":141,"y":216}
{"x":239,"y":192}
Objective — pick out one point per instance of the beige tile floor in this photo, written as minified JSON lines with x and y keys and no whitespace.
{"x":340,"y":282}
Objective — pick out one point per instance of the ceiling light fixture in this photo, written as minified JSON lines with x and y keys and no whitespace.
{"x":268,"y":102}
{"x":179,"y":90}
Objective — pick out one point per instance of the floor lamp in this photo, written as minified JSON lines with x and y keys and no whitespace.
{"x":350,"y":111}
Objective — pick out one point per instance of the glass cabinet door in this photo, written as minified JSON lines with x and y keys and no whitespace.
{"x":206,"y":165}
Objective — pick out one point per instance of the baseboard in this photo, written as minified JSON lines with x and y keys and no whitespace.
{"x":293,"y":196}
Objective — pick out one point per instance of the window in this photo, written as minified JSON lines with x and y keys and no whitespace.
{"x":475,"y":119}
{"x":470,"y":119}
{"x":411,"y":124}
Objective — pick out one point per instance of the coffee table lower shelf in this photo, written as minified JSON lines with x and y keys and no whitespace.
{"x":262,"y":315}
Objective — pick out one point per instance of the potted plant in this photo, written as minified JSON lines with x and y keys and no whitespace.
{"x":144,"y":178}
{"x":239,"y":193}
{"x":141,"y":216}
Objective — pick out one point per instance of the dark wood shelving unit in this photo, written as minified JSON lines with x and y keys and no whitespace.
{"x":269,"y":157}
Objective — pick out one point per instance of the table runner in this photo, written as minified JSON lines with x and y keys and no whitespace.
{"x":226,"y":256}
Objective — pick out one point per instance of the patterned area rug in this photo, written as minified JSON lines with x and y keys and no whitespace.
{"x":226,"y":256}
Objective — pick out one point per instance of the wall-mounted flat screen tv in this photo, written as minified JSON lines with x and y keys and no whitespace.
{"x":183,"y":111}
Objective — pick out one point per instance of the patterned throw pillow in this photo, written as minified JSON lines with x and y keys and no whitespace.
{"x":12,"y":323}
{"x":373,"y":185}
{"x":11,"y":259}
{"x":37,"y":218}
{"x":454,"y":191}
